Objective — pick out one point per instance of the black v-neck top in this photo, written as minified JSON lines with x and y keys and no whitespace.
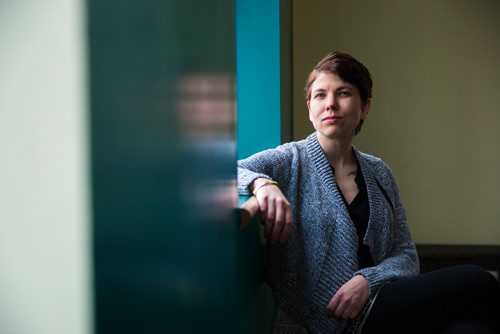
{"x":359,"y":212}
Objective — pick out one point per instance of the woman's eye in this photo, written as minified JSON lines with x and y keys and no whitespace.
{"x":344,"y":93}
{"x":320,"y":95}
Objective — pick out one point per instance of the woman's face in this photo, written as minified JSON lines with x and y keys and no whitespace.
{"x":335,"y":107}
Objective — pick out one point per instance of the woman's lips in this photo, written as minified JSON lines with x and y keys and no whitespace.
{"x":332,"y":119}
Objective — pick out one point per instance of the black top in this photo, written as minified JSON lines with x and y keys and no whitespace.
{"x":359,"y":211}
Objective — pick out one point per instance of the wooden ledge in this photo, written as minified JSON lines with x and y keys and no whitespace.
{"x":248,"y":209}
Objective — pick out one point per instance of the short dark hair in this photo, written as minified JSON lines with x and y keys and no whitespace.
{"x":349,"y":70}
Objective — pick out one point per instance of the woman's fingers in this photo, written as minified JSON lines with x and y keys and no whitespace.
{"x":275,"y":213}
{"x":339,"y":307}
{"x":287,"y":228}
{"x":333,"y":305}
{"x":269,"y":220}
{"x":283,"y":221}
{"x":278,"y":222}
{"x":349,"y":299}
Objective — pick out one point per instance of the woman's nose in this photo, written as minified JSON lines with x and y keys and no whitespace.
{"x":331,"y":103}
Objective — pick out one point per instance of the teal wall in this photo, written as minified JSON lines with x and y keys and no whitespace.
{"x":258,"y":75}
{"x":261,"y":124}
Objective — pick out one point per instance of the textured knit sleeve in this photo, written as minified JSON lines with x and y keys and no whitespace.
{"x":270,"y":164}
{"x":401,"y":260}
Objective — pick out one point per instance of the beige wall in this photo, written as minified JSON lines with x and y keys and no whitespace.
{"x":45,"y":285}
{"x":435,"y":115}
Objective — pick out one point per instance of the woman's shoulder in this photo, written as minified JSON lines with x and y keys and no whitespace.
{"x":293,"y":145}
{"x":288,"y":148}
{"x":370,"y":159}
{"x":284,"y":152}
{"x":375,"y":163}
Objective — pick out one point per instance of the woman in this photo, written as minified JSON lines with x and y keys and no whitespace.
{"x":345,"y":259}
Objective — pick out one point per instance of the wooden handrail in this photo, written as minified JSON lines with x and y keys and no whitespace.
{"x":248,"y":210}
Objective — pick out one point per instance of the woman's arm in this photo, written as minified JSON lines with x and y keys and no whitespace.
{"x":260,"y":175}
{"x":273,"y":164}
{"x":274,"y":209}
{"x":401,"y":260}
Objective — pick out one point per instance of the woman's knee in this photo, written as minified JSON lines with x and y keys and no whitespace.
{"x":477,"y":274}
{"x":478,"y":283}
{"x":467,"y":326}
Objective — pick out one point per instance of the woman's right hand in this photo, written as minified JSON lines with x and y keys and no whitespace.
{"x":274,"y":209}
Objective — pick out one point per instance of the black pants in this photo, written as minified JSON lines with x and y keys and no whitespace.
{"x":459,"y":299}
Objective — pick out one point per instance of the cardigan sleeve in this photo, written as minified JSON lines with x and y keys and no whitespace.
{"x":271,"y":164}
{"x":401,"y":260}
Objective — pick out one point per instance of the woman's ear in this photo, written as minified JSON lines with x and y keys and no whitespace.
{"x":366,"y":109}
{"x":308,"y":102}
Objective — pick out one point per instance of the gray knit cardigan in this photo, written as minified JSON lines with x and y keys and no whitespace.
{"x":321,"y":253}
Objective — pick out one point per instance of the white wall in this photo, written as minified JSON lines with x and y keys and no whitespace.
{"x":44,"y":215}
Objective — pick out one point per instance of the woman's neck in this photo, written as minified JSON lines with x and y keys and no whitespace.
{"x":338,"y":152}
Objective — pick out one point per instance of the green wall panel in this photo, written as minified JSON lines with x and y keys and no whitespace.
{"x":166,"y":242}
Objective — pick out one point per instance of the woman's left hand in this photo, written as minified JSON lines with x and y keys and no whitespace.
{"x":349,"y":299}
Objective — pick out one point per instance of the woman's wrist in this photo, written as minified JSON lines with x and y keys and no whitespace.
{"x":261,"y":182}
